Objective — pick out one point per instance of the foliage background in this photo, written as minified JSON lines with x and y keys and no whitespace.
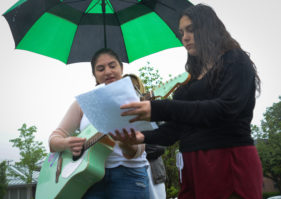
{"x":3,"y":179}
{"x":268,"y":142}
{"x":31,"y":152}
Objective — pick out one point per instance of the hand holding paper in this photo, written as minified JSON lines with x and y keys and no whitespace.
{"x":102,"y":106}
{"x":141,"y":109}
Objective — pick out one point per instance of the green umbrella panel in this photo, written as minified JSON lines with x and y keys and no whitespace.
{"x":73,"y":30}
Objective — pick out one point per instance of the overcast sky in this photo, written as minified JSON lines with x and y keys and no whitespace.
{"x":38,"y":90}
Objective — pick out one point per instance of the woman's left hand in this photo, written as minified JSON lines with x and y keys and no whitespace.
{"x":142,"y":110}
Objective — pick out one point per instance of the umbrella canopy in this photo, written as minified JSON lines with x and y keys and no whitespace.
{"x":73,"y":30}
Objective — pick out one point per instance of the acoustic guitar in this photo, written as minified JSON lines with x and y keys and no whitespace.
{"x":63,"y":176}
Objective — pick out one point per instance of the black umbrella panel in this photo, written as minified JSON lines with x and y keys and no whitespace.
{"x":72,"y":30}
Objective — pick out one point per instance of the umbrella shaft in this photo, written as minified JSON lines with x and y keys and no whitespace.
{"x":103,"y":6}
{"x":104,"y":22}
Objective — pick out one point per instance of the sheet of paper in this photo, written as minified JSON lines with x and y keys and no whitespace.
{"x":102,"y":106}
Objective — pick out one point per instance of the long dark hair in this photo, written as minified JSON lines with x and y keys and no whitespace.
{"x":212,"y":40}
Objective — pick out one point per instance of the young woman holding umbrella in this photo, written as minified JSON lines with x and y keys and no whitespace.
{"x":210,"y":115}
{"x":125,"y":168}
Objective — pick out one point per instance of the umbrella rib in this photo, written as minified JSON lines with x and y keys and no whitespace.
{"x":127,"y":1}
{"x":92,"y":7}
{"x":84,"y":0}
{"x":109,"y":5}
{"x":73,"y":1}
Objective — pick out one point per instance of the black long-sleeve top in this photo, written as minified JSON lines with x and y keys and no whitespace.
{"x":203,"y":118}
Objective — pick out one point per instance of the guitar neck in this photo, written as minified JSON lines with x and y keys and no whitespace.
{"x":99,"y":137}
{"x":93,"y":140}
{"x":165,"y":89}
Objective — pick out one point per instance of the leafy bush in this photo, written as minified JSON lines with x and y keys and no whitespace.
{"x":172,"y":192}
{"x":266,"y":195}
{"x":172,"y":181}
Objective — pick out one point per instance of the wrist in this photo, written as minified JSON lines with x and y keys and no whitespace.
{"x":131,"y":151}
{"x":59,"y":144}
{"x":139,"y":151}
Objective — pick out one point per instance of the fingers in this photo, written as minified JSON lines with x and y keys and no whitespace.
{"x":128,"y":137}
{"x":133,"y":133}
{"x":135,"y":108}
{"x":76,"y":151}
{"x":124,"y":136}
{"x":75,"y":144}
{"x":141,"y":111}
{"x":75,"y":140}
{"x":76,"y":148}
{"x":130,"y":105}
{"x":117,"y":136}
{"x":132,"y":112}
{"x":138,"y":118}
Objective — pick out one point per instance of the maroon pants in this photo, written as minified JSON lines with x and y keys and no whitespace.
{"x":216,"y":174}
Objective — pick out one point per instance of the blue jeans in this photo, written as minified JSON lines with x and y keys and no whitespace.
{"x":121,"y":183}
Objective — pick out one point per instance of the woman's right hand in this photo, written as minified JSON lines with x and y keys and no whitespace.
{"x":74,"y":144}
{"x":142,"y":110}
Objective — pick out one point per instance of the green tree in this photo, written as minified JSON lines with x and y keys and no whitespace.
{"x":151,"y":79}
{"x":3,"y":179}
{"x":269,"y":143}
{"x":31,"y":152}
{"x":256,"y":132}
{"x":172,"y":181}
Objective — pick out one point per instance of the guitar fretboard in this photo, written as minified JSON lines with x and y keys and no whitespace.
{"x":166,"y":88}
{"x":94,"y":139}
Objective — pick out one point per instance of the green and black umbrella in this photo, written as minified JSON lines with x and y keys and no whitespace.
{"x":72,"y":30}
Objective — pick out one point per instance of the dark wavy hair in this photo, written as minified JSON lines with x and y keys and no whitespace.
{"x":212,"y":40}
